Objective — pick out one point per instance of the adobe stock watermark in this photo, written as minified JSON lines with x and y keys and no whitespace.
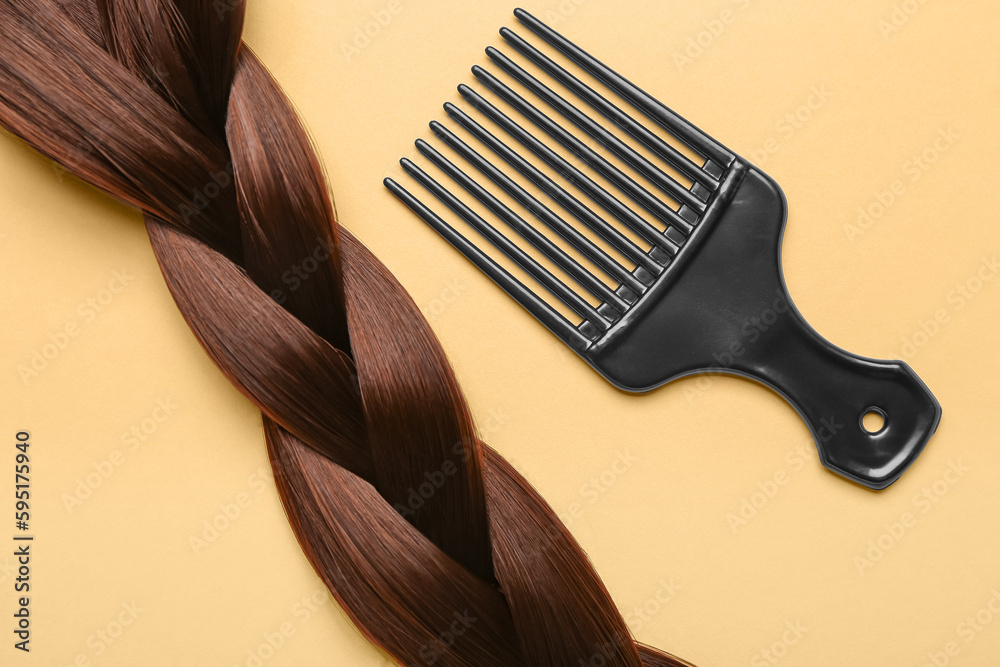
{"x":598,"y":484}
{"x":709,"y":33}
{"x":966,"y":632}
{"x":132,"y":440}
{"x":201,"y":198}
{"x":789,"y":124}
{"x":913,"y":170}
{"x":591,"y":491}
{"x":229,"y":512}
{"x":271,"y":642}
{"x":434,"y":480}
{"x":85,"y":313}
{"x":792,"y":634}
{"x":106,"y":636}
{"x":923,"y":502}
{"x":765,"y":490}
{"x":562,"y":11}
{"x":956,"y":300}
{"x":374,"y":24}
{"x":696,"y":387}
{"x":641,"y":614}
{"x":899,"y":16}
{"x":452,"y":291}
{"x":751,"y":331}
{"x":753,"y":328}
{"x":298,"y":273}
{"x":431,"y":652}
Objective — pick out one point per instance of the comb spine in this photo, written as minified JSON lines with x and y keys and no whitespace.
{"x":718,"y":204}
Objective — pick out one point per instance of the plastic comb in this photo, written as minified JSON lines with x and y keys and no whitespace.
{"x":667,"y":251}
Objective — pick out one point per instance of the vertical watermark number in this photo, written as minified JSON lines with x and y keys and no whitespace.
{"x":22,"y":541}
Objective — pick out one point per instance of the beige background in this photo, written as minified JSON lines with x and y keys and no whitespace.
{"x":660,"y":528}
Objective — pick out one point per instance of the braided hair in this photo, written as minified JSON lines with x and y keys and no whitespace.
{"x":161,"y":105}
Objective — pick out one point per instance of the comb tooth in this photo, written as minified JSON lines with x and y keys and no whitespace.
{"x":638,"y":98}
{"x":598,"y":133}
{"x":609,"y":202}
{"x":504,"y":245}
{"x":545,"y":313}
{"x":635,"y":129}
{"x":574,"y":206}
{"x":525,"y":230}
{"x":640,"y":195}
{"x":540,"y":211}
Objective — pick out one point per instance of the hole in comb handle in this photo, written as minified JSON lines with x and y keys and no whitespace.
{"x":873,"y":420}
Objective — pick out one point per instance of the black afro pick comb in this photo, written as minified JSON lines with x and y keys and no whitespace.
{"x":672,"y":251}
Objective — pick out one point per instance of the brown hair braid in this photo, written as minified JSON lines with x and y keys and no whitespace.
{"x":158,"y":103}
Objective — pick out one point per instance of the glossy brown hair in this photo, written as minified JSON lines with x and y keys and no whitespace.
{"x":160,"y":104}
